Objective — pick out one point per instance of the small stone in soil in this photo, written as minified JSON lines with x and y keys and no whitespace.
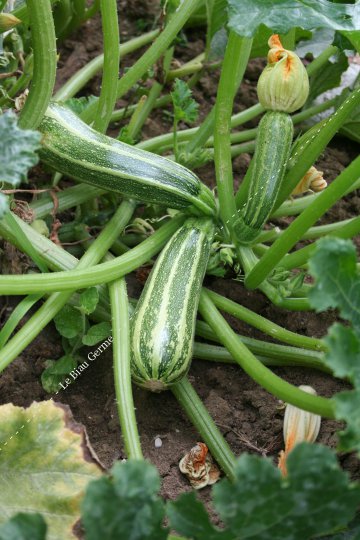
{"x":158,"y":442}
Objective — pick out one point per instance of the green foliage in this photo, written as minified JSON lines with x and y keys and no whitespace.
{"x":282,"y":15}
{"x":72,"y":324}
{"x":328,"y":77}
{"x":24,"y":527}
{"x":69,"y":322}
{"x":126,"y":505}
{"x":79,"y":105}
{"x":260,"y":503}
{"x":351,"y":128}
{"x":56,"y":372}
{"x":337,"y":285}
{"x":337,"y":279}
{"x":97,"y":333}
{"x":89,"y":300}
{"x":18,"y":154}
{"x":185,"y":107}
{"x":44,"y":465}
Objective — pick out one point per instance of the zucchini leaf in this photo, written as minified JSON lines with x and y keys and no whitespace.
{"x":351,"y":128}
{"x":185,"y":107}
{"x":24,"y":527}
{"x":45,"y":466}
{"x":126,"y":505}
{"x":328,"y":77}
{"x":96,"y":333}
{"x":282,"y":15}
{"x":260,"y":503}
{"x":337,"y":285}
{"x":18,"y":154}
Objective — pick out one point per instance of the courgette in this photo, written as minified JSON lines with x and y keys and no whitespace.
{"x":273,"y":145}
{"x":163,"y":323}
{"x":73,"y":148}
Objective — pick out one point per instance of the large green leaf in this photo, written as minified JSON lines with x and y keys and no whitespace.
{"x":45,"y":465}
{"x":18,"y":150}
{"x":18,"y":154}
{"x":281,"y":15}
{"x":188,"y":515}
{"x":337,"y":280}
{"x":126,"y":505}
{"x":316,"y":497}
{"x":24,"y":527}
{"x":328,"y":77}
{"x":337,"y":285}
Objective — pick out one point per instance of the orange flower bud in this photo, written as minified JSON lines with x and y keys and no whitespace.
{"x":284,"y":83}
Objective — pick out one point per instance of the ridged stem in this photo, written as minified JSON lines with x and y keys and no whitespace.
{"x":214,"y":353}
{"x":301,"y":256}
{"x":87,"y":277}
{"x":301,"y":224}
{"x":86,"y":73}
{"x":122,"y":374}
{"x":56,"y":301}
{"x":266,"y":326}
{"x":256,"y":370}
{"x":148,"y":59}
{"x":205,"y":425}
{"x":235,"y":61}
{"x":111,"y":38}
{"x":312,"y":143}
{"x":43,"y":41}
{"x":293,"y":207}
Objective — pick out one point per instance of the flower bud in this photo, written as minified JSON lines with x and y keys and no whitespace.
{"x":299,"y":426}
{"x":284,"y":83}
{"x":7,"y":22}
{"x":312,"y":181}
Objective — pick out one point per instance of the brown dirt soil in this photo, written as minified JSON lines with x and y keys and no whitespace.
{"x":247,"y":415}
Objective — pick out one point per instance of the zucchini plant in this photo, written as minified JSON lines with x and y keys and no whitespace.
{"x":103,"y":207}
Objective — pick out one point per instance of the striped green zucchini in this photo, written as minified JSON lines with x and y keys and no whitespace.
{"x":273,"y":144}
{"x":163,"y":323}
{"x":73,"y":148}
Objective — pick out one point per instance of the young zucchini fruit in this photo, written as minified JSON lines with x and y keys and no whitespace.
{"x":73,"y":148}
{"x":163,"y":323}
{"x":283,"y":88}
{"x":273,"y":145}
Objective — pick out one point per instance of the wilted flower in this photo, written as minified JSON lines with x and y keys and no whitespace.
{"x":312,"y":181}
{"x":199,"y":467}
{"x":284,"y":83}
{"x":299,"y":426}
{"x":8,"y":21}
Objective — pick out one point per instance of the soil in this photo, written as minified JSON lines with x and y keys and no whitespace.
{"x":248,"y":416}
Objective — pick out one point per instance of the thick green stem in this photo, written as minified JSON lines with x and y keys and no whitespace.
{"x":122,"y":374}
{"x":87,"y":277}
{"x":319,"y":62}
{"x":302,"y":223}
{"x":309,"y":147}
{"x":148,"y":59}
{"x":293,"y":207}
{"x":111,"y":37}
{"x":255,"y":369}
{"x":205,"y":425}
{"x":70,"y":197}
{"x":16,"y":315}
{"x":85,"y":74}
{"x":266,"y":326}
{"x":214,"y":353}
{"x":57,"y":300}
{"x":235,"y":61}
{"x":301,"y":256}
{"x":43,"y":41}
